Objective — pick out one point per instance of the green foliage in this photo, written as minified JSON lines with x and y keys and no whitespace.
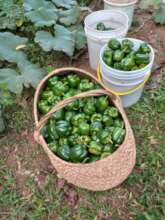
{"x":11,"y":14}
{"x":63,"y":40}
{"x":40,"y":12}
{"x":8,"y":47}
{"x":159,"y":15}
{"x":158,"y":12}
{"x":145,"y":4}
{"x":62,"y":18}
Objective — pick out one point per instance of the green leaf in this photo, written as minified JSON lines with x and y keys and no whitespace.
{"x":145,"y":4}
{"x":69,"y":17}
{"x":63,"y":40}
{"x":41,"y":13}
{"x":65,"y":3}
{"x":2,"y":122}
{"x":8,"y":44}
{"x":31,"y":74}
{"x":159,"y":15}
{"x":80,"y":38}
{"x":10,"y":14}
{"x":12,"y":79}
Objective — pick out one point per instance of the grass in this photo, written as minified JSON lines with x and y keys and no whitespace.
{"x":140,"y":197}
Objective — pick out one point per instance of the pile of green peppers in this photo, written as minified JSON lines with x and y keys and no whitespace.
{"x":86,"y":130}
{"x":60,"y":87}
{"x":102,"y":27}
{"x":122,"y":56}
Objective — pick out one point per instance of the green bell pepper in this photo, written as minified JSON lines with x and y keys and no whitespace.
{"x":60,"y":88}
{"x":142,"y":58}
{"x":107,"y":120}
{"x":53,"y":146}
{"x":78,"y":118}
{"x":97,"y":86}
{"x":62,"y":128}
{"x":108,"y":148}
{"x":95,"y":148}
{"x":127,"y":46}
{"x":78,"y":153}
{"x":73,"y":139}
{"x":108,"y":57}
{"x":110,"y":129}
{"x":135,"y":68}
{"x":52,"y":81}
{"x":111,"y":112}
{"x":128,"y":63}
{"x":118,"y":66}
{"x":47,"y":94}
{"x":144,"y":48}
{"x":73,"y":80}
{"x":83,"y":140}
{"x":63,"y":141}
{"x":96,"y":117}
{"x":114,"y":44}
{"x":95,"y":137}
{"x":43,"y":106}
{"x":83,"y":128}
{"x":118,"y":135}
{"x":93,"y":158}
{"x":73,"y":105}
{"x":59,"y":115}
{"x":96,"y":127}
{"x":102,"y":103}
{"x":118,"y":123}
{"x":105,"y":154}
{"x":100,"y":26}
{"x":118,"y":55}
{"x":86,"y":85}
{"x":69,"y":115}
{"x":64,"y":152}
{"x":89,"y":108}
{"x":105,"y":137}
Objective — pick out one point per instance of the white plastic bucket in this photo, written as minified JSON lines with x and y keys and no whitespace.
{"x":125,"y":81}
{"x":97,"y":39}
{"x":128,"y":7}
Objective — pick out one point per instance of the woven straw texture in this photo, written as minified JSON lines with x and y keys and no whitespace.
{"x":103,"y":174}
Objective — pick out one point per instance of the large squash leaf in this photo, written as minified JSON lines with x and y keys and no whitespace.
{"x":12,"y":79}
{"x":41,"y":12}
{"x":11,"y":14}
{"x":29,"y":75}
{"x":8,"y":47}
{"x":63,"y":40}
{"x":65,"y":3}
{"x":80,"y":37}
{"x":70,"y":16}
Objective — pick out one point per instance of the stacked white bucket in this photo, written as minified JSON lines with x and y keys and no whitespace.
{"x":126,"y":6}
{"x":97,"y":39}
{"x":131,"y":82}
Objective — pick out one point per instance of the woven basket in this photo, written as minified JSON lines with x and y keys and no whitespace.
{"x":100,"y":175}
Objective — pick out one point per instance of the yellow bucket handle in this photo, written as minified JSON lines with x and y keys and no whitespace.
{"x":128,"y":92}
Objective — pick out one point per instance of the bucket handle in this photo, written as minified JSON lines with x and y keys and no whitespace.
{"x":128,"y":92}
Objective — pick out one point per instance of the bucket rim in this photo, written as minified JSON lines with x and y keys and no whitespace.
{"x":120,"y":4}
{"x":132,"y":71}
{"x":108,"y":11}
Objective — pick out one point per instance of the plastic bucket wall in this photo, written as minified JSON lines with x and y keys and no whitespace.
{"x":124,"y":81}
{"x":128,"y":8}
{"x":97,"y":39}
{"x":127,"y":100}
{"x":120,"y":76}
